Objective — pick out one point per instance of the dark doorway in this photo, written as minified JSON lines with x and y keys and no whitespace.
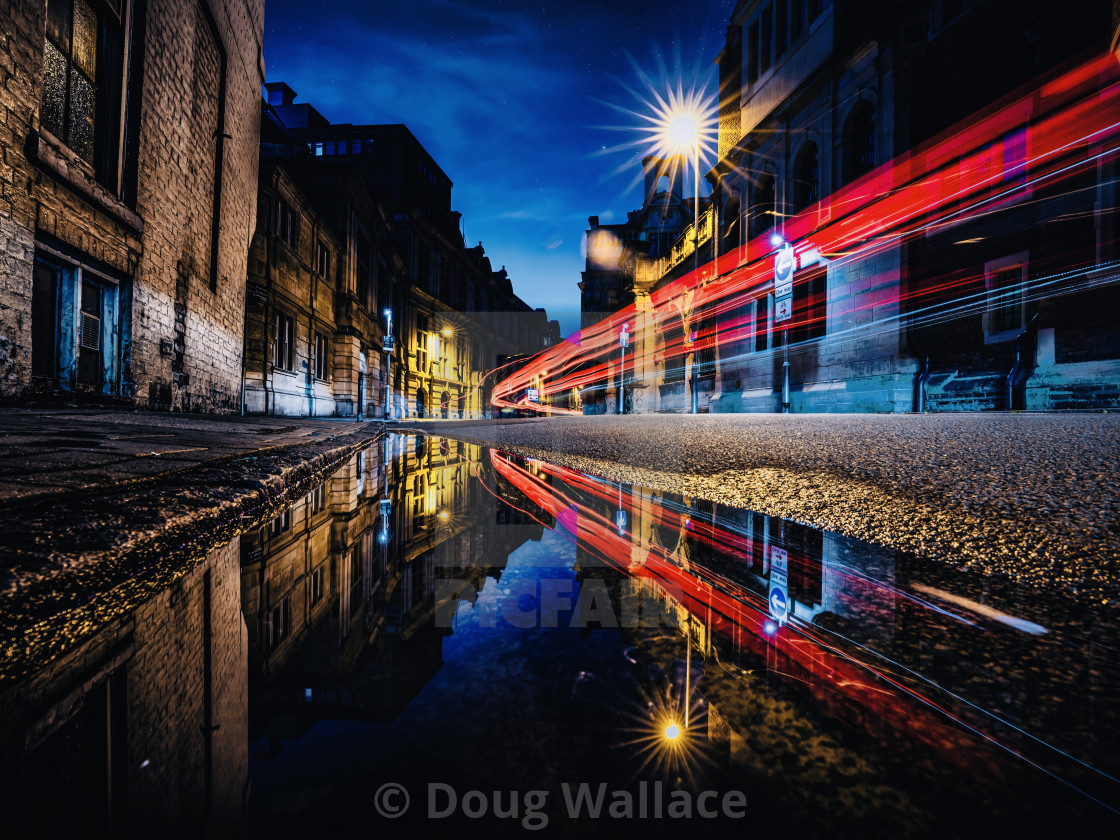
{"x":44,"y":322}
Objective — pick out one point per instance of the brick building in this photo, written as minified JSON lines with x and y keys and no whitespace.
{"x":130,"y":139}
{"x":143,"y":727}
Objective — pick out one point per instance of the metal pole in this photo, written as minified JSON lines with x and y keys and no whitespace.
{"x":621,"y":380}
{"x":696,"y":276}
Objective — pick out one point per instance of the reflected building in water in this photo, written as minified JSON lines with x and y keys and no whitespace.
{"x":340,"y":592}
{"x":142,"y":725}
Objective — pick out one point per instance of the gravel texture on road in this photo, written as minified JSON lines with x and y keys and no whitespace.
{"x":1033,"y":497}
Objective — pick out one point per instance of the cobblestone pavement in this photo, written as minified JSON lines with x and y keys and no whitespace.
{"x":94,"y":500}
{"x":1033,"y":497}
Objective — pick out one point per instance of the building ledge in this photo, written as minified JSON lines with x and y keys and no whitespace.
{"x":53,"y":156}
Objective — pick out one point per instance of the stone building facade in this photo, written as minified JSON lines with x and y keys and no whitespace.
{"x":130,"y":139}
{"x":831,"y":106}
{"x":453,"y":315}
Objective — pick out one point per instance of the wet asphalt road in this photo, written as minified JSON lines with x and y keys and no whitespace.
{"x":1032,"y":497}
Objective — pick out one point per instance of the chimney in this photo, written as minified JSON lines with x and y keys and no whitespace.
{"x":279,"y":94}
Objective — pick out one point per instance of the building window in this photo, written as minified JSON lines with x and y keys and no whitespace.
{"x":806,"y":177}
{"x":365,"y":278}
{"x":1005,"y":280}
{"x":422,"y":343}
{"x":781,"y":21}
{"x":279,"y":623}
{"x":1014,"y":159}
{"x":283,"y":342}
{"x":752,"y":53}
{"x":322,"y":259}
{"x":367,"y":146}
{"x":765,"y":40}
{"x":859,"y":142}
{"x":810,"y":305}
{"x":287,"y":224}
{"x":316,"y":500}
{"x":357,"y":579}
{"x":762,"y":323}
{"x":763,"y":217}
{"x":317,"y":586}
{"x":322,"y":356}
{"x":280,"y":524}
{"x":82,"y":81}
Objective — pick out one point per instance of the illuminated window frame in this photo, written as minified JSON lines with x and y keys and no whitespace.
{"x":999,"y":302}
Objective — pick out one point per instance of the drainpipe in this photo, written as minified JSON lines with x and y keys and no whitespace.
{"x":920,"y":387}
{"x":785,"y":372}
{"x":1009,"y":383}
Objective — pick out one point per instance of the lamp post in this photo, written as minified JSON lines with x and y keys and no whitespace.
{"x":695,"y":274}
{"x":388,"y":357}
{"x":681,"y":128}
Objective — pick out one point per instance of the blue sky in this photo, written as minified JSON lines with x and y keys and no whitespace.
{"x":512,"y":98}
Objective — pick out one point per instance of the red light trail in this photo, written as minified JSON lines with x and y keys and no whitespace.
{"x":992,"y":162}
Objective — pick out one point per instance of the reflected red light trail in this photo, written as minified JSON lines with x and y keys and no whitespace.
{"x":803,"y":652}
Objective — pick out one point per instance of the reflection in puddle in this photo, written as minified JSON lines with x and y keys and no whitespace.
{"x":457,"y":620}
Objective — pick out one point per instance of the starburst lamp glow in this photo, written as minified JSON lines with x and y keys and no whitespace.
{"x":672,"y":732}
{"x":681,"y":132}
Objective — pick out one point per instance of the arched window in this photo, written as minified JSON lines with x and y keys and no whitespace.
{"x":731,"y":223}
{"x":859,"y":142}
{"x":806,"y":177}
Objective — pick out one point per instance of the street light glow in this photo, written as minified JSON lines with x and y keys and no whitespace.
{"x":672,"y":732}
{"x":681,"y":132}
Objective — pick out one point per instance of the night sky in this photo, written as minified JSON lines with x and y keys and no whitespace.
{"x":512,"y":99}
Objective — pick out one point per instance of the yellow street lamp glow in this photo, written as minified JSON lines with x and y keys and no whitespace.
{"x":681,"y":132}
{"x":672,"y":732}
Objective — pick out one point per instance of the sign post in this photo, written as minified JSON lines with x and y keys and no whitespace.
{"x":779,"y":584}
{"x":623,"y":342}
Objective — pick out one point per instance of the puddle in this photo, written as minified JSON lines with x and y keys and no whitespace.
{"x":500,"y":640}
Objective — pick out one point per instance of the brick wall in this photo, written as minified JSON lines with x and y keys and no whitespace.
{"x":149,"y":236}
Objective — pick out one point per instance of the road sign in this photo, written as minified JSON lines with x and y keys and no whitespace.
{"x":533,"y":394}
{"x":624,"y":338}
{"x":783,"y":309}
{"x":779,"y":560}
{"x":784,"y":264}
{"x":779,"y":596}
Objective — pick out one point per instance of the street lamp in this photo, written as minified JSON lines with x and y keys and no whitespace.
{"x":683,"y":122}
{"x":388,"y":357}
